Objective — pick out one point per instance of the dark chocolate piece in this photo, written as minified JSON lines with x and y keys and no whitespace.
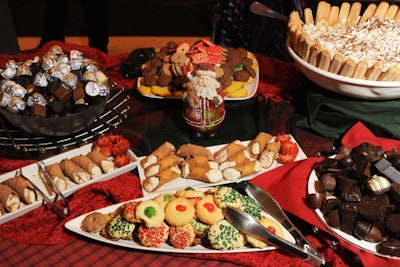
{"x":395,"y":192}
{"x":333,"y":218}
{"x":348,"y":213}
{"x":330,"y":203}
{"x":79,"y":94}
{"x":393,"y":222}
{"x":315,"y":200}
{"x":39,"y":110}
{"x":367,"y":231}
{"x":373,"y":207}
{"x":389,"y":247}
{"x":328,"y":182}
{"x":62,"y":93}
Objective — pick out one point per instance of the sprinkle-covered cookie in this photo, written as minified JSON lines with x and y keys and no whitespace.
{"x":224,"y":236}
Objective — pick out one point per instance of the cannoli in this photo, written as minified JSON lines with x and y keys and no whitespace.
{"x":228,"y":150}
{"x":381,"y":9}
{"x":336,"y":63}
{"x":74,"y":171}
{"x":361,"y":70}
{"x":257,"y":145}
{"x":23,"y":188}
{"x":239,"y":158}
{"x":167,"y":175}
{"x":2,"y":210}
{"x":322,"y":15}
{"x":201,"y":173}
{"x":348,"y":68}
{"x":391,"y":12}
{"x":236,"y":172}
{"x":88,"y":165}
{"x":168,"y":161}
{"x":191,"y":150}
{"x":9,"y":198}
{"x":392,"y":74}
{"x":160,"y":152}
{"x":374,"y":71}
{"x":334,"y":16}
{"x":354,"y":14}
{"x":268,"y":156}
{"x":105,"y":164}
{"x":368,"y":13}
{"x":58,"y":177}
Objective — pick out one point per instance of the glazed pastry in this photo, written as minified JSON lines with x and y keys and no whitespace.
{"x":24,"y":189}
{"x":106,"y":165}
{"x":167,"y":175}
{"x":55,"y":173}
{"x":9,"y":198}
{"x":74,"y":172}
{"x":88,"y":165}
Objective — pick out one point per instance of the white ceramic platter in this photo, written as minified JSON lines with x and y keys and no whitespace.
{"x":74,"y":226}
{"x":251,"y":88}
{"x":31,"y":171}
{"x":357,"y":88}
{"x":182,"y":182}
{"x":362,"y":244}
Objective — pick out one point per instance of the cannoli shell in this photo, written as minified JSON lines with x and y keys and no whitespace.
{"x":55,"y":173}
{"x":204,"y":174}
{"x":167,"y":175}
{"x":228,"y":150}
{"x":2,"y":210}
{"x":160,"y":152}
{"x":268,"y":156}
{"x":105,"y":164}
{"x":74,"y":172}
{"x":88,"y":165}
{"x":243,"y":170}
{"x":168,"y":161}
{"x":191,"y":150}
{"x":23,"y":188}
{"x":5,"y":194}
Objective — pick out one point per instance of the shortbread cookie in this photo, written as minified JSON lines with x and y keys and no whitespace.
{"x":207,"y":211}
{"x":179,"y":211}
{"x":224,"y":236}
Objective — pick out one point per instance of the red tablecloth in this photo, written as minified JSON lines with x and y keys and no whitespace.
{"x":278,"y":81}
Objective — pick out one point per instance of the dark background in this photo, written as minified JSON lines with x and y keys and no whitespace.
{"x":125,"y":17}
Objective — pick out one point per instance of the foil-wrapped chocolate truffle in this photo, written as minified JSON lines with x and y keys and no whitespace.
{"x":36,"y":98}
{"x":92,"y":89}
{"x":69,"y":80}
{"x":16,"y":105}
{"x":4,"y":99}
{"x":40,"y":79}
{"x":90,"y":76}
{"x":16,"y":90}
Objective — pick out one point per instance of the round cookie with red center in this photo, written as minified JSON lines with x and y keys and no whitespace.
{"x":182,"y":236}
{"x":179,"y":211}
{"x":272,"y":226}
{"x":150,"y":212}
{"x":153,"y":237}
{"x":207,"y":211}
{"x":129,"y":211}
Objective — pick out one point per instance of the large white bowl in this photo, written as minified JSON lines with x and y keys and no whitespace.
{"x":358,"y":88}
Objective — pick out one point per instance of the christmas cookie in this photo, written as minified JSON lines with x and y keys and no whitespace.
{"x":151,"y":213}
{"x":179,"y":211}
{"x":224,"y":236}
{"x":207,"y":211}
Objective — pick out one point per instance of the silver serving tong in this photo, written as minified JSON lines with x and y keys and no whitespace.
{"x":59,"y":212}
{"x":46,"y":176}
{"x":263,"y":10}
{"x":248,"y":225}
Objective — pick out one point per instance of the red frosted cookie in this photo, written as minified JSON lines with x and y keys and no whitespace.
{"x":182,"y":236}
{"x":153,"y":237}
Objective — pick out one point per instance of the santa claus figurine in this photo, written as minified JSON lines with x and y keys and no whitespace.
{"x":204,"y":107}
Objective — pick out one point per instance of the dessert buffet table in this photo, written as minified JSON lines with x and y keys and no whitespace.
{"x":38,"y":238}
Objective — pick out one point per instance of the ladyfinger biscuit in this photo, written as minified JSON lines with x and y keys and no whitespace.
{"x":334,"y":16}
{"x":337,"y":63}
{"x":306,"y":44}
{"x":391,"y":12}
{"x":308,"y":16}
{"x":374,"y":71}
{"x":381,"y":9}
{"x":397,"y":16}
{"x":354,"y":14}
{"x":315,"y":50}
{"x":294,"y":19}
{"x":361,"y":70}
{"x":348,"y":68}
{"x":392,"y":74}
{"x":322,"y":14}
{"x":257,"y":145}
{"x":295,"y":39}
{"x":368,"y":13}
{"x":344,"y":13}
{"x":324,"y":60}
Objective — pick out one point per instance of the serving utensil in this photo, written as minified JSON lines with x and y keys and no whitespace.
{"x":248,"y":225}
{"x":263,"y":10}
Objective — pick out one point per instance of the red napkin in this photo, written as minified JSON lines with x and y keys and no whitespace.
{"x":288,"y":185}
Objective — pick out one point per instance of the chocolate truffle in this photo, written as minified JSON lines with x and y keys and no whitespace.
{"x":389,"y":247}
{"x":367,"y":231}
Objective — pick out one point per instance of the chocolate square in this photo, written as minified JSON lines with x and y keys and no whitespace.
{"x":62,"y":93}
